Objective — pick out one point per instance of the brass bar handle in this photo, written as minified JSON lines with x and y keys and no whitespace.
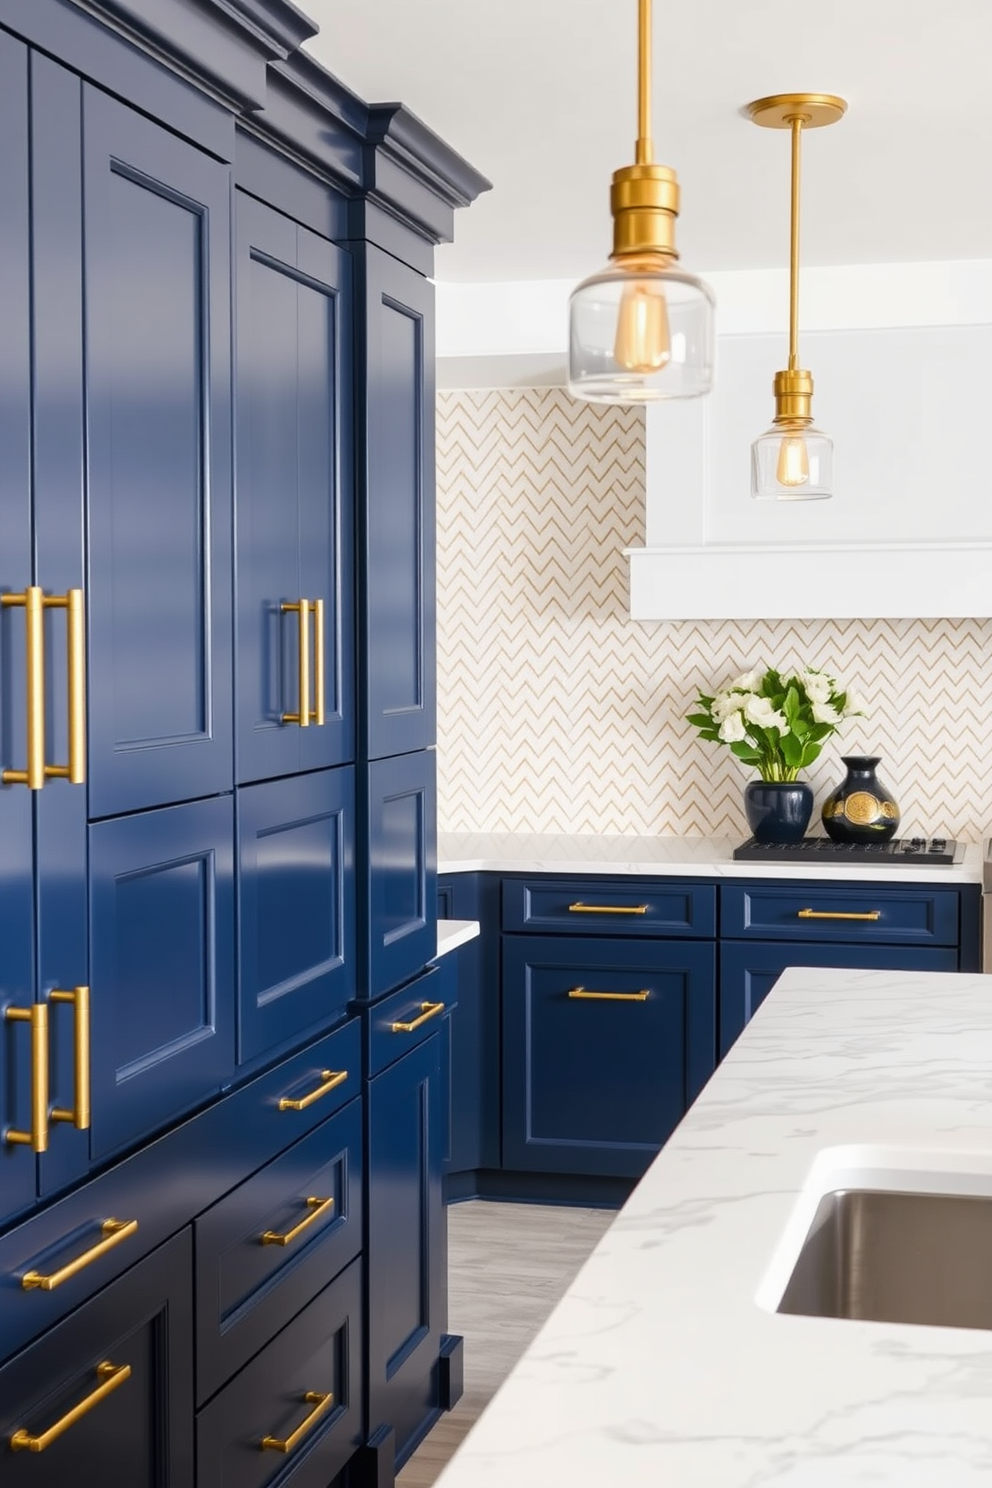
{"x":318,"y":714}
{"x":111,"y":1377}
{"x":72,"y":603}
{"x":331,"y":1078}
{"x":33,"y":603}
{"x":607,"y":909}
{"x":79,"y":997}
{"x":321,"y":1405}
{"x":37,"y":1137}
{"x":838,"y":914}
{"x":318,"y":1208}
{"x":301,"y":608}
{"x":585,"y":993}
{"x":114,"y":1231}
{"x":427,"y":1010}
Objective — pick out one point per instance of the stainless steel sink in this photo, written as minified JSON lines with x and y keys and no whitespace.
{"x":896,"y":1258}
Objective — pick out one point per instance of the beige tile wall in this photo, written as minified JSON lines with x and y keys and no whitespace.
{"x":558,"y":713}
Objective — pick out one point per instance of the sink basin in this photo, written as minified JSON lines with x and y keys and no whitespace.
{"x":894,"y":1257}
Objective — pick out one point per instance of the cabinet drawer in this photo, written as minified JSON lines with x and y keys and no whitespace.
{"x":604,"y":1046}
{"x":165,"y":1184}
{"x":610,"y":906}
{"x":275,"y":1241}
{"x":302,"y":1395}
{"x":853,"y":913}
{"x":399,"y":1022}
{"x":115,"y":1375}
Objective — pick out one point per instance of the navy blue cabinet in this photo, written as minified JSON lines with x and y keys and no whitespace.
{"x":296,"y":894}
{"x":474,"y":1026}
{"x":604,"y":1047}
{"x":106,"y":1396}
{"x":407,"y":1245}
{"x":156,"y":220}
{"x":162,"y":947}
{"x":397,"y":520}
{"x":399,"y":910}
{"x":294,"y":497}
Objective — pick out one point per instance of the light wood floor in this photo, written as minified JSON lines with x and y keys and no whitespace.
{"x":508,"y":1264}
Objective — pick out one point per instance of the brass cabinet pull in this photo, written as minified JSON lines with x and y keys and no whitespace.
{"x":607,"y":909}
{"x":301,"y":608}
{"x":427,"y":1010}
{"x":586,"y":993}
{"x":321,"y":1405}
{"x":79,"y":997}
{"x":114,"y":1231}
{"x":72,"y":603}
{"x":838,"y":914}
{"x":317,"y":1207}
{"x":318,"y":713}
{"x":32,"y":601}
{"x":37,"y":1137}
{"x":332,"y":1079}
{"x":111,"y":1377}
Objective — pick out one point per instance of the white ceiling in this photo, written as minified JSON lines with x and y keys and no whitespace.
{"x":540,"y":96}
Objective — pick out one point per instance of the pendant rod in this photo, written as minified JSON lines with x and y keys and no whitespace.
{"x":796,"y":123}
{"x":645,"y":144}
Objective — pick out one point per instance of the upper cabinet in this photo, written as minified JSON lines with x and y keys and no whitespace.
{"x":396,"y":508}
{"x":294,"y":497}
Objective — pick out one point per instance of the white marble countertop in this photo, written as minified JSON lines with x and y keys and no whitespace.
{"x":535,"y":852}
{"x":453,"y":933}
{"x":665,"y":1365}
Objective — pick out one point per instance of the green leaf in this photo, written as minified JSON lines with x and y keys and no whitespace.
{"x":746,"y":753}
{"x":701,"y":720}
{"x":792,"y":750}
{"x":810,"y":753}
{"x":790,"y":707}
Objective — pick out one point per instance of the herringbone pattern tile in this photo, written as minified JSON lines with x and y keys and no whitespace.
{"x":558,"y":713}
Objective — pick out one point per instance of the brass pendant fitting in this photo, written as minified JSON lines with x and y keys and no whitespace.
{"x":644,"y":200}
{"x":793,"y":397}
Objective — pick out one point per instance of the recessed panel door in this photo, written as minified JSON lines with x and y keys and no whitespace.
{"x":158,"y":393}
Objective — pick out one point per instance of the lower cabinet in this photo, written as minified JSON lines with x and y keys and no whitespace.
{"x":604,"y":1046}
{"x":107,"y":1395}
{"x":407,"y":1244}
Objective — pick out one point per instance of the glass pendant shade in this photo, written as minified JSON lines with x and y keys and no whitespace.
{"x":792,"y":462}
{"x":641,"y":330}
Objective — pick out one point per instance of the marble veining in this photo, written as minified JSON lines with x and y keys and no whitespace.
{"x":591,"y":852}
{"x":664,"y":1365}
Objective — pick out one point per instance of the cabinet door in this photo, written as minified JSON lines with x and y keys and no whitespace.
{"x":407,"y":1246}
{"x":162,"y":942}
{"x":604,"y":1047}
{"x":475,"y":1061}
{"x":110,"y":1387}
{"x":158,"y":392}
{"x":749,"y":971}
{"x":400,"y":887}
{"x":17,"y":986}
{"x":397,"y":509}
{"x":297,"y":907}
{"x":294,"y":493}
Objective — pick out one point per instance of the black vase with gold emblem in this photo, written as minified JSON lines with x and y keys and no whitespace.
{"x":861,"y":809}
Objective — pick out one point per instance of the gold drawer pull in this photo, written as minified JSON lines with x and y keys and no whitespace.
{"x":317,"y":1207}
{"x":79,"y":997}
{"x":72,"y":603}
{"x":301,"y":608}
{"x":321,"y":1405}
{"x":37,"y":1137}
{"x":318,"y":712}
{"x":427,"y":1010}
{"x":607,"y":908}
{"x":331,"y":1078}
{"x":111,"y":1377}
{"x":838,"y":914}
{"x":114,"y":1232}
{"x":586,"y":993}
{"x":32,"y":601}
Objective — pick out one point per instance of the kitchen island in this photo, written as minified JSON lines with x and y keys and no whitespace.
{"x":666,"y":1365}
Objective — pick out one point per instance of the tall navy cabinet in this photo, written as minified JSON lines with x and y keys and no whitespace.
{"x":223,"y":1052}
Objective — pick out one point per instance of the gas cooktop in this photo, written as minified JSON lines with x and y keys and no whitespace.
{"x":910,"y":852}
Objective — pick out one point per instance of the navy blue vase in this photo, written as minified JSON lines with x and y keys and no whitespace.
{"x":777,"y":810}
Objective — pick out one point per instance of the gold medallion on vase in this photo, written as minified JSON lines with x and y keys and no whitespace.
{"x":861,"y":807}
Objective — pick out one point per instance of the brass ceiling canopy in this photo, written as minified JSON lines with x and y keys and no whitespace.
{"x":815,"y":110}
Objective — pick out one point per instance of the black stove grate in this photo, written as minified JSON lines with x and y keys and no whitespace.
{"x":910,"y":852}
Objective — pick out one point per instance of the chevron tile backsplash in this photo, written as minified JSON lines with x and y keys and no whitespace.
{"x":558,"y":713}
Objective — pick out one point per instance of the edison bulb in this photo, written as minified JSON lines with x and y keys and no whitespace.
{"x":792,"y":462}
{"x":643,"y":341}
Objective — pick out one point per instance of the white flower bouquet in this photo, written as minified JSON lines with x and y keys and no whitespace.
{"x":774,"y":721}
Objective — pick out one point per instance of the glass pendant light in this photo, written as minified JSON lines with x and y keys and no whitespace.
{"x":641,"y":329}
{"x":793,"y":461}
